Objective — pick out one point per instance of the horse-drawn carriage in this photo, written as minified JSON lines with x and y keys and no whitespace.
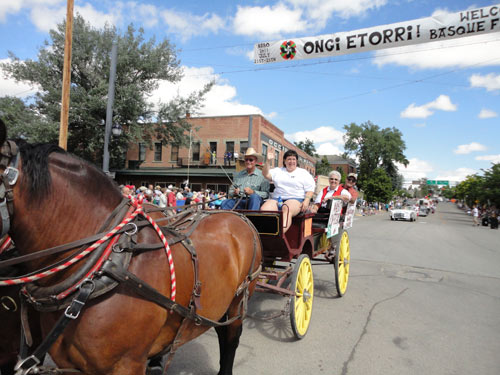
{"x":107,"y":302}
{"x":287,"y":267}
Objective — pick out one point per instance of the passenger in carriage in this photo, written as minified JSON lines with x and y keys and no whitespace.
{"x":333,"y":191}
{"x":294,"y":185}
{"x":250,"y":182}
{"x":349,"y":186}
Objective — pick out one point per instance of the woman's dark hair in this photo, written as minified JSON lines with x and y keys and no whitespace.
{"x":291,"y":153}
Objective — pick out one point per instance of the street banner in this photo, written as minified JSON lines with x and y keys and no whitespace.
{"x":349,"y":216}
{"x":441,"y":27}
{"x":334,"y":219}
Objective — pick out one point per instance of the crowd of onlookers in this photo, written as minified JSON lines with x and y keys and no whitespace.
{"x":172,"y":196}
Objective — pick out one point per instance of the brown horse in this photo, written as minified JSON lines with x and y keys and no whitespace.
{"x":58,"y":199}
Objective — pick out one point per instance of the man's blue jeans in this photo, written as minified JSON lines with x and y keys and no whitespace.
{"x":254,"y":203}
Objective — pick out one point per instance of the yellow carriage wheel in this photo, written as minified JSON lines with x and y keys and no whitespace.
{"x":324,"y":243}
{"x":301,"y":303}
{"x":341,"y":264}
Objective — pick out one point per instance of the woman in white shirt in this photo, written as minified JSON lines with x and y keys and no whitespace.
{"x":333,"y":191}
{"x":294,"y":185}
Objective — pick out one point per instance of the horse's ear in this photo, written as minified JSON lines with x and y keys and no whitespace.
{"x":3,"y":132}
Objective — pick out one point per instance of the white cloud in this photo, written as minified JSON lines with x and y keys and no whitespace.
{"x":477,"y":51}
{"x":187,"y":25}
{"x":416,"y":169}
{"x":9,"y":87}
{"x":487,"y":113}
{"x":467,"y":149}
{"x":268,"y":21}
{"x":420,"y":125}
{"x":492,"y":158}
{"x":442,"y":103}
{"x":296,"y":16}
{"x":455,"y":176}
{"x":413,"y":111}
{"x":318,"y":135}
{"x":220,"y":101}
{"x":45,"y":15}
{"x":328,"y":148}
{"x":490,"y":82}
{"x":322,"y":10}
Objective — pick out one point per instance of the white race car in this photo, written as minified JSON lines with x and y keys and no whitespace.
{"x":406,"y":213}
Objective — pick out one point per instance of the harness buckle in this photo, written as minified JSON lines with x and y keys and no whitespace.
{"x":12,"y":175}
{"x":24,"y":367}
{"x":133,"y":231}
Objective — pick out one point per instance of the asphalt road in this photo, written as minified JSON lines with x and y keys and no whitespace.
{"x":423,"y":298}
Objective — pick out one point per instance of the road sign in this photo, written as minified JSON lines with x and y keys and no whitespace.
{"x":438,"y":182}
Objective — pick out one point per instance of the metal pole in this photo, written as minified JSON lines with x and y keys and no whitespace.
{"x":189,"y":155}
{"x":250,"y":120}
{"x":63,"y":126}
{"x":109,"y":109}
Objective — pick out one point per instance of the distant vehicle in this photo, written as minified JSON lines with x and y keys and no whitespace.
{"x":406,"y":213}
{"x":424,"y":211}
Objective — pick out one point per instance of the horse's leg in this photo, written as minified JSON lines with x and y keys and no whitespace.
{"x":229,"y":339}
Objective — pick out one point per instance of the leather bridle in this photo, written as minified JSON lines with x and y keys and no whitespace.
{"x":9,"y":160}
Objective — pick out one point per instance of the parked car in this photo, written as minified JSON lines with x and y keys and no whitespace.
{"x":406,"y":213}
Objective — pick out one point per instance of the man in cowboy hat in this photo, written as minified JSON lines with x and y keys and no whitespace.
{"x":249,"y":182}
{"x":349,"y":186}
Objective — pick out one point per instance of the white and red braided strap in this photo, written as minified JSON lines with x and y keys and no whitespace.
{"x":5,"y":244}
{"x":76,"y":258}
{"x":137,"y":204}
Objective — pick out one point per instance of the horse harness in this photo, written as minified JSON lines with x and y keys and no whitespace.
{"x":114,"y":271}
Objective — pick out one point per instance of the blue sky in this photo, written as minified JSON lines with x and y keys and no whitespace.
{"x":443,"y":96}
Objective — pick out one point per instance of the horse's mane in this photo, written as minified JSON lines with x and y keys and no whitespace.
{"x":35,"y":164}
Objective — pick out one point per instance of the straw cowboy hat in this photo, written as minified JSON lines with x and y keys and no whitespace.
{"x":251,"y":152}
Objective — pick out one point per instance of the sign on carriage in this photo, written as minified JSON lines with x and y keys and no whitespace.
{"x":334,"y":219}
{"x":349,"y":216}
{"x":437,"y":28}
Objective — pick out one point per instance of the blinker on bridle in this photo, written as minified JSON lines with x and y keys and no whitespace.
{"x":9,"y":160}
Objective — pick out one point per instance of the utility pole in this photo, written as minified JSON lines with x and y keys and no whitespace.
{"x":63,"y":127}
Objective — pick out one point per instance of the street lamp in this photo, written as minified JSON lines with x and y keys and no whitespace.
{"x":109,"y":108}
{"x":116,"y":130}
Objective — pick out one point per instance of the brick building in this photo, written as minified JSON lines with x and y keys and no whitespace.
{"x":211,"y":139}
{"x":339,"y":163}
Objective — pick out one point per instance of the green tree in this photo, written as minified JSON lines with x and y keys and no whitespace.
{"x":448,"y":192}
{"x":308,"y":147}
{"x":378,"y":187}
{"x":23,"y":121}
{"x":375,"y":148}
{"x":323,"y":166}
{"x":471,"y":190}
{"x":491,"y":186}
{"x":141,"y":65}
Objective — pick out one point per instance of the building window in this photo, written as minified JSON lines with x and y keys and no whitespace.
{"x":174,"y":153}
{"x":264,"y":152}
{"x":142,"y":151}
{"x":213,"y":147}
{"x":243,"y":147}
{"x":276,"y":158}
{"x":157,"y":151}
{"x":196,"y":187}
{"x":230,"y":147}
{"x":196,"y":152}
